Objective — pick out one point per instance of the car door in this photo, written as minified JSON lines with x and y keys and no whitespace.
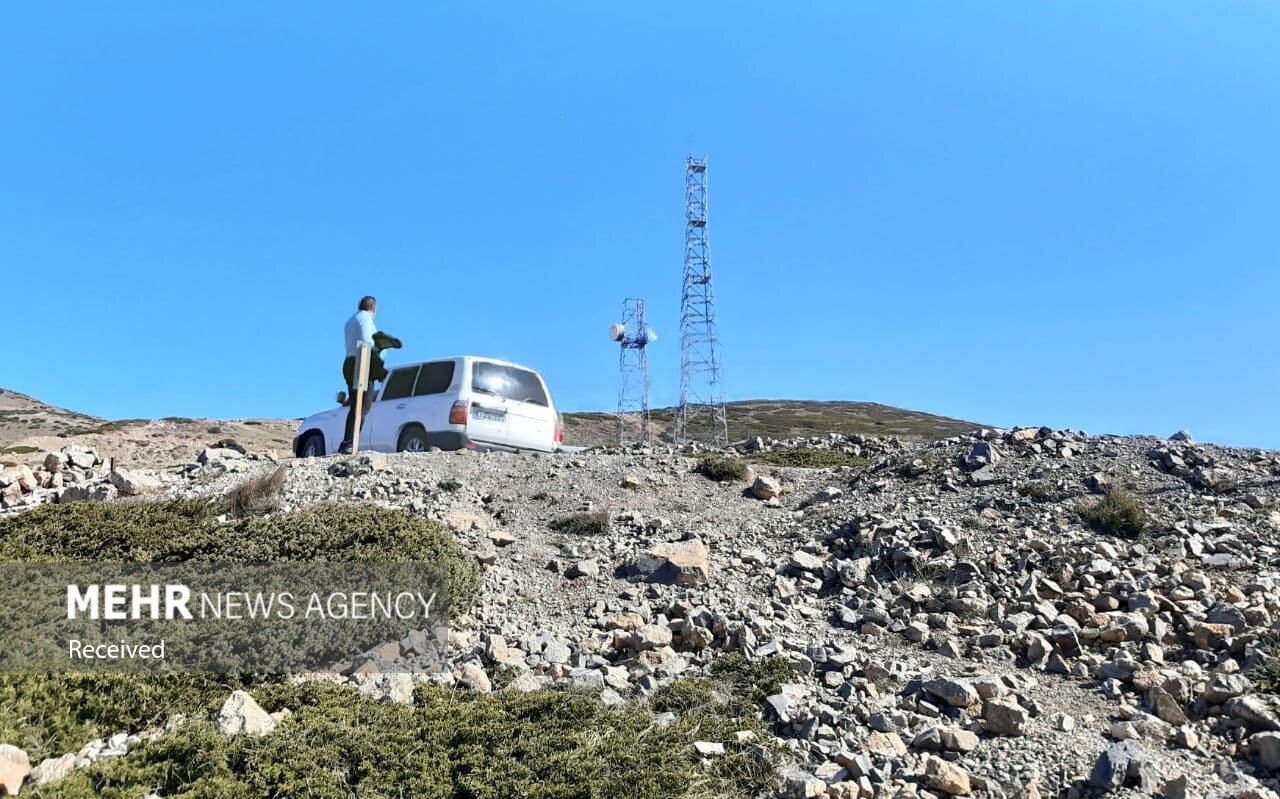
{"x":487,"y":412}
{"x":531,"y":421}
{"x":390,"y":411}
{"x":430,"y":402}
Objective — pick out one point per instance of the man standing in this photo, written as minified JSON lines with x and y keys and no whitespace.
{"x":358,"y":332}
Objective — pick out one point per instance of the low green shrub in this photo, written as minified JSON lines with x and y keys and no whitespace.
{"x":723,"y":469}
{"x":1118,"y":513}
{"x":753,"y":680}
{"x":182,"y":530}
{"x":1266,"y":678}
{"x":98,"y":531}
{"x":447,"y":745}
{"x":49,"y":714}
{"x":588,"y":523}
{"x":1037,"y":490}
{"x":810,"y":458}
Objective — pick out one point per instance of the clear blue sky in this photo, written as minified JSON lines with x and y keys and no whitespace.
{"x":1062,"y":213}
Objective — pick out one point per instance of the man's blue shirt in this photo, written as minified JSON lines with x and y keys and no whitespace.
{"x":359,"y":330}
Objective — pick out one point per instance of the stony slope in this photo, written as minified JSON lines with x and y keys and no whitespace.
{"x":23,"y":416}
{"x":954,"y":624}
{"x":30,"y":427}
{"x":784,"y":419}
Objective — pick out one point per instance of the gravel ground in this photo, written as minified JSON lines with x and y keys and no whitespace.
{"x":942,"y":605}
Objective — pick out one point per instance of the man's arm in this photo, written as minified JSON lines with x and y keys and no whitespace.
{"x":366,"y":329}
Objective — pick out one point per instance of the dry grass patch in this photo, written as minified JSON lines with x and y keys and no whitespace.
{"x":1118,"y":513}
{"x":258,"y":495}
{"x":589,"y":523}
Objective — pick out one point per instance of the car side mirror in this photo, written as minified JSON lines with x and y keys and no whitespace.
{"x":342,"y":398}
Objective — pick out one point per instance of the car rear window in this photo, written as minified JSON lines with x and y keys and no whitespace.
{"x":435,"y":378}
{"x":506,"y":381}
{"x":400,"y":383}
{"x":528,"y":387}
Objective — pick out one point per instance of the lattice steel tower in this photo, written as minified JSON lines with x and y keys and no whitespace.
{"x":701,"y":415}
{"x":634,"y":337}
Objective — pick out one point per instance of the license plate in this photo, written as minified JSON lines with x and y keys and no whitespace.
{"x":489,"y":416}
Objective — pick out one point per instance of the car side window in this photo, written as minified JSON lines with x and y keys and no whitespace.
{"x":489,"y":378}
{"x":400,"y":383}
{"x":435,"y":378}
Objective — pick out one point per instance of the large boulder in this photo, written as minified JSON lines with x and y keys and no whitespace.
{"x":982,"y":454}
{"x":1264,"y":749}
{"x":14,"y":768}
{"x":956,"y":693}
{"x":241,"y":715}
{"x":684,"y":563}
{"x":82,"y":457}
{"x":52,"y":769}
{"x":766,"y":487}
{"x":1005,"y":717}
{"x":210,"y":455}
{"x":11,"y":495}
{"x":1223,"y":687}
{"x":100,"y":491}
{"x":25,"y":478}
{"x":134,"y":482}
{"x":853,"y":573}
{"x":805,"y":562}
{"x":358,"y":465}
{"x":1122,"y":765}
{"x":946,"y":777}
{"x":983,"y":476}
{"x":1255,"y":712}
{"x":394,"y":686}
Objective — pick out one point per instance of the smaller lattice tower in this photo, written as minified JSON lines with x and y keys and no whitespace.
{"x":701,"y":415}
{"x":633,"y":336}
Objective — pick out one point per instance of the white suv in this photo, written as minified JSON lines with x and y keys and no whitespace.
{"x":453,"y":403}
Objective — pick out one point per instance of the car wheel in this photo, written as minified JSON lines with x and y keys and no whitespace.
{"x":312,"y":446}
{"x":413,"y":439}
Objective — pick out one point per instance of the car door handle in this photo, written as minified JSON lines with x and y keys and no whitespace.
{"x":399,"y":405}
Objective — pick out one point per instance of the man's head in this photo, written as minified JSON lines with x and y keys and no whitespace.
{"x":368,"y":303}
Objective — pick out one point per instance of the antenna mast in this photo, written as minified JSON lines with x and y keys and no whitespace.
{"x":633,"y":335}
{"x":701,"y":414}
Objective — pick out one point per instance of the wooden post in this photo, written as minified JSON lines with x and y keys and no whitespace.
{"x":362,"y":379}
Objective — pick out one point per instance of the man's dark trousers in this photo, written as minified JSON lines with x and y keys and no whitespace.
{"x":349,"y":374}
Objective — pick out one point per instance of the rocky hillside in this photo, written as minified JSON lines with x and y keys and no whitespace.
{"x":29,"y":428}
{"x":785,"y":419}
{"x":1006,"y":614}
{"x":24,"y":417}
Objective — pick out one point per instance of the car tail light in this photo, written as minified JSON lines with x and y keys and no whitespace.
{"x":458,"y":413}
{"x":559,"y":433}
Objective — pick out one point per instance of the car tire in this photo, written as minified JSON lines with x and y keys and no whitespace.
{"x":312,"y":446}
{"x":413,"y":439}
